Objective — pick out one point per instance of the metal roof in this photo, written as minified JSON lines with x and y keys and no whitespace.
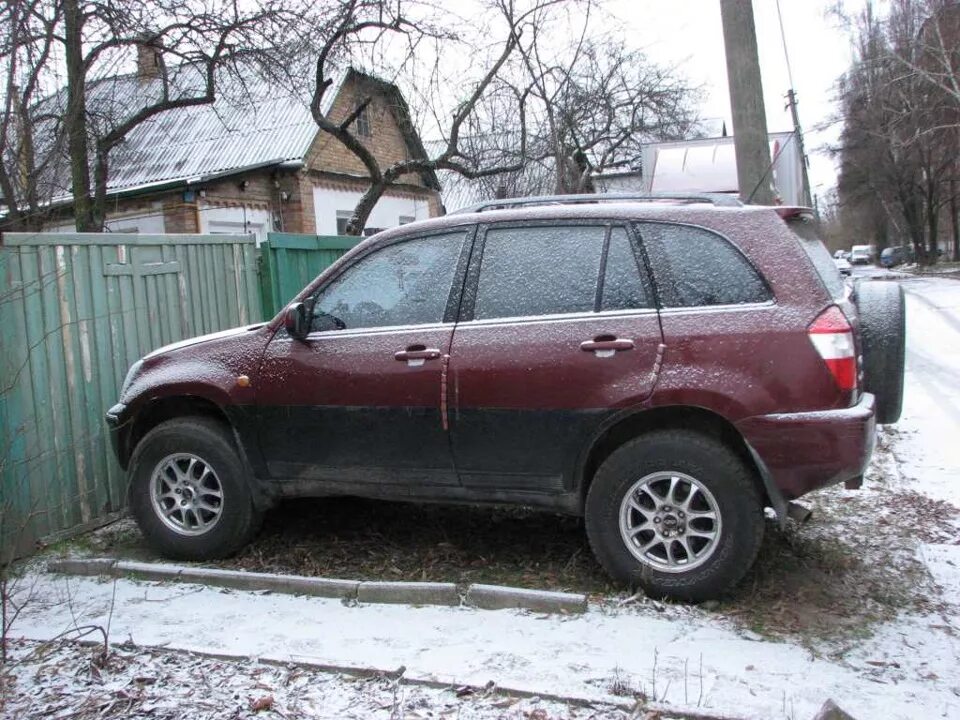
{"x":251,"y":123}
{"x":207,"y":139}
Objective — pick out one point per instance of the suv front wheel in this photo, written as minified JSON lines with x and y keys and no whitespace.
{"x":676,"y":513}
{"x":189,"y":491}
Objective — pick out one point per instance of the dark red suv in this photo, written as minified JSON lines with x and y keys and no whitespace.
{"x":665,"y":368}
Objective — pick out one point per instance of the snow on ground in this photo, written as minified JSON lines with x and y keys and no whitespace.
{"x":943,"y":562}
{"x":929,"y":450}
{"x":80,"y":683}
{"x":678,"y":656}
{"x":683,"y":657}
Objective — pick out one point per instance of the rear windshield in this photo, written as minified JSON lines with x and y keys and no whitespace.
{"x":806,"y":228}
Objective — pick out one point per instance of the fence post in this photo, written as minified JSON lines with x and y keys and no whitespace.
{"x":265,"y":272}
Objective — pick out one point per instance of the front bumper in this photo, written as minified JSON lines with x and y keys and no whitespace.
{"x":809,"y":450}
{"x":117,"y":424}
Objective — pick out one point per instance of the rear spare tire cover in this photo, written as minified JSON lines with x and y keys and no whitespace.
{"x":883,"y":338}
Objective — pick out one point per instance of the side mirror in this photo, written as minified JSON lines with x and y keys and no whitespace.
{"x":296,"y":322}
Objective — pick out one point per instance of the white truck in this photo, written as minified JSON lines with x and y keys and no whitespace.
{"x":861,"y":255}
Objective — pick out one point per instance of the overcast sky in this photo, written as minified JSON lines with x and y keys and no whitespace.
{"x":688,"y":34}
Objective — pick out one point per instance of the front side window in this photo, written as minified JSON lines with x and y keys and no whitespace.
{"x":696,"y":267}
{"x":407,"y":283}
{"x":529,"y":271}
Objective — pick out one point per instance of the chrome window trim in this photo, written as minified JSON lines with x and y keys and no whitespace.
{"x":318,"y":335}
{"x":690,"y":309}
{"x":555,"y":318}
{"x":532,"y":319}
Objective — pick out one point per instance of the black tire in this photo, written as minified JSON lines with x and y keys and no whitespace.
{"x":210,"y":442}
{"x":883,"y":344}
{"x":716,"y":468}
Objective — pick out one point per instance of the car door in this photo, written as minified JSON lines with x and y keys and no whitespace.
{"x":359,"y":400}
{"x":559,"y":330}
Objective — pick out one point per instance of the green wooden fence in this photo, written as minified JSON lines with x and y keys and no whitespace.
{"x":75,"y":311}
{"x":289,"y":262}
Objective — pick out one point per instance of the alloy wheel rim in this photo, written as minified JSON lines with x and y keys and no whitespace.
{"x":670,"y":522}
{"x":186,"y":494}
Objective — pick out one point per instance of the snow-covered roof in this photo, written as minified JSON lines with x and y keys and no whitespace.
{"x":253,"y":122}
{"x":269,"y":124}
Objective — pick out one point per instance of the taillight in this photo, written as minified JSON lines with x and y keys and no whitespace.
{"x":832,"y":336}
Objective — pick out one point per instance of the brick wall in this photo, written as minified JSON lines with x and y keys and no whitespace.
{"x":180,"y":216}
{"x":299,"y":212}
{"x":386,"y":141}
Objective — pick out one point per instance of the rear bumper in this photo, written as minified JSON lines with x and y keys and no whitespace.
{"x":810,"y":450}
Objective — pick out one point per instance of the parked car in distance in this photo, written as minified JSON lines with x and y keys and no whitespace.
{"x":843,"y":265}
{"x":896,"y":255}
{"x":664,"y":369}
{"x":841,"y":255}
{"x":861,"y":255}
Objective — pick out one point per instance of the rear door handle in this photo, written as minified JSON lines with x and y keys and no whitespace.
{"x":416,"y":355}
{"x":606,"y":345}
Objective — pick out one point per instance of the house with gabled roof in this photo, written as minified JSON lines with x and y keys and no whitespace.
{"x":254,"y":161}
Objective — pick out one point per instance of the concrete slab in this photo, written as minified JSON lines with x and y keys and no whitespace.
{"x":497,"y":597}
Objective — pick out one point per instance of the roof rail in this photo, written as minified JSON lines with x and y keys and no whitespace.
{"x":717,"y":199}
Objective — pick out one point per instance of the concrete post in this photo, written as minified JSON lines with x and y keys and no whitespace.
{"x":746,"y":102}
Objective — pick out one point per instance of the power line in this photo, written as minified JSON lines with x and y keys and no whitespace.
{"x":783,"y":42}
{"x":794,"y":113}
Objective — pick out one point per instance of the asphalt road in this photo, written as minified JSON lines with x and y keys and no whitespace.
{"x":930,"y":426}
{"x":933,"y":340}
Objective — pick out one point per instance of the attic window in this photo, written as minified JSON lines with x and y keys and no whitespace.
{"x":363,"y":123}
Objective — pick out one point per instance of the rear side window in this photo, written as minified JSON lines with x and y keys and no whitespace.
{"x":696,"y":267}
{"x":806,"y":229}
{"x":623,"y":287}
{"x":539,"y":271}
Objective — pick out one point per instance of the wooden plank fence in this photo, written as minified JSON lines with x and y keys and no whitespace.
{"x":76,"y":310}
{"x":289,"y":262}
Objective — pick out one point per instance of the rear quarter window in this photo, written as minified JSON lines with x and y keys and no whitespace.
{"x":696,"y":267}
{"x":805,"y":228}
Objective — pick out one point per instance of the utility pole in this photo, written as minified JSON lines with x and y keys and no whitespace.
{"x":750,"y":137}
{"x":798,"y":135}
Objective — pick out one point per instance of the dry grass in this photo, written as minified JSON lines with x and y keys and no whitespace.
{"x":852,"y":565}
{"x":363,"y":539}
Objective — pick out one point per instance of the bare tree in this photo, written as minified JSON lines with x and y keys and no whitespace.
{"x":898,"y":149}
{"x":69,"y":100}
{"x":598,"y":103}
{"x":185,"y":44}
{"x":27,"y":48}
{"x":361,"y":23}
{"x":534,"y":113}
{"x":590,"y":110}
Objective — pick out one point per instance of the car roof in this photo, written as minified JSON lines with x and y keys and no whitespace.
{"x":675,"y":211}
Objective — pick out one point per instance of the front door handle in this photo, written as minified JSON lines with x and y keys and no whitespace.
{"x":416,"y":355}
{"x":606,"y":345}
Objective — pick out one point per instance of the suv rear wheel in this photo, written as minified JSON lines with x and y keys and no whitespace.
{"x":676,"y":513}
{"x":189,"y":491}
